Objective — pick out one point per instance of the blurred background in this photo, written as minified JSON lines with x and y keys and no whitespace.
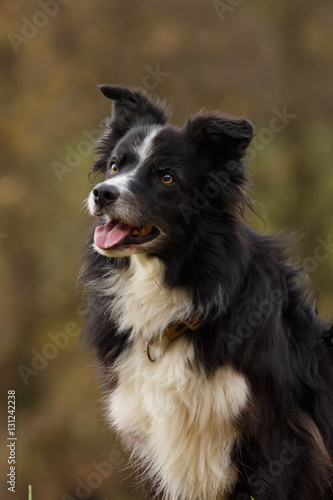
{"x":271,"y":62}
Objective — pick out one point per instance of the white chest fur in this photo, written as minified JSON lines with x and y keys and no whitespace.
{"x":182,"y":424}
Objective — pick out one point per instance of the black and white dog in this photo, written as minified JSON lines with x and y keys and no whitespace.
{"x":217,"y":369}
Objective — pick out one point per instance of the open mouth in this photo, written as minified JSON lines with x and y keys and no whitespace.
{"x":116,"y":233}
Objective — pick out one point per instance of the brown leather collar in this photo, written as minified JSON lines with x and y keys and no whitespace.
{"x":175,"y":331}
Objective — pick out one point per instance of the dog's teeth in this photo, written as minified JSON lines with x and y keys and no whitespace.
{"x":146,"y":230}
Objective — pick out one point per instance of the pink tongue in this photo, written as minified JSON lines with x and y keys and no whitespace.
{"x":109,"y":235}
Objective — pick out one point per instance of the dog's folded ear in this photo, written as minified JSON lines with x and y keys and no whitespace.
{"x":218,"y":135}
{"x":131,"y":108}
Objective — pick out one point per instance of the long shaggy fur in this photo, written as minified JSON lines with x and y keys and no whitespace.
{"x":242,"y":407}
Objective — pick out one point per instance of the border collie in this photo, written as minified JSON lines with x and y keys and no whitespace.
{"x":217,"y":369}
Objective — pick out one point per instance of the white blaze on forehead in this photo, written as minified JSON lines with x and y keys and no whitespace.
{"x":143,"y":150}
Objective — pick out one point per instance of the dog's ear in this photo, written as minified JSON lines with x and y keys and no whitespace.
{"x":130,"y":108}
{"x":220,"y":143}
{"x":219,"y":137}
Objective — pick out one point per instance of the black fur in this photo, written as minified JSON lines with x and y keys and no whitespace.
{"x":267,"y":326}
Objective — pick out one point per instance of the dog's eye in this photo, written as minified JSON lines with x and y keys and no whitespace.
{"x":114,"y":168}
{"x":167,"y":179}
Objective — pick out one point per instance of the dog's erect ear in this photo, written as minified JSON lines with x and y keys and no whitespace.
{"x":130,"y":108}
{"x":219,"y":136}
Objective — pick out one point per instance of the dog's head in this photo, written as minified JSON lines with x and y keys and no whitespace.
{"x":160,"y":180}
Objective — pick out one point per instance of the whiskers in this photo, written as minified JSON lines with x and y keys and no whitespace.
{"x":85,"y":206}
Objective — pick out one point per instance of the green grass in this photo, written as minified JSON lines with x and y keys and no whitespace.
{"x":30,"y":492}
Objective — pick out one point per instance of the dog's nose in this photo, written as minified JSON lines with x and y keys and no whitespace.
{"x":105,"y":194}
